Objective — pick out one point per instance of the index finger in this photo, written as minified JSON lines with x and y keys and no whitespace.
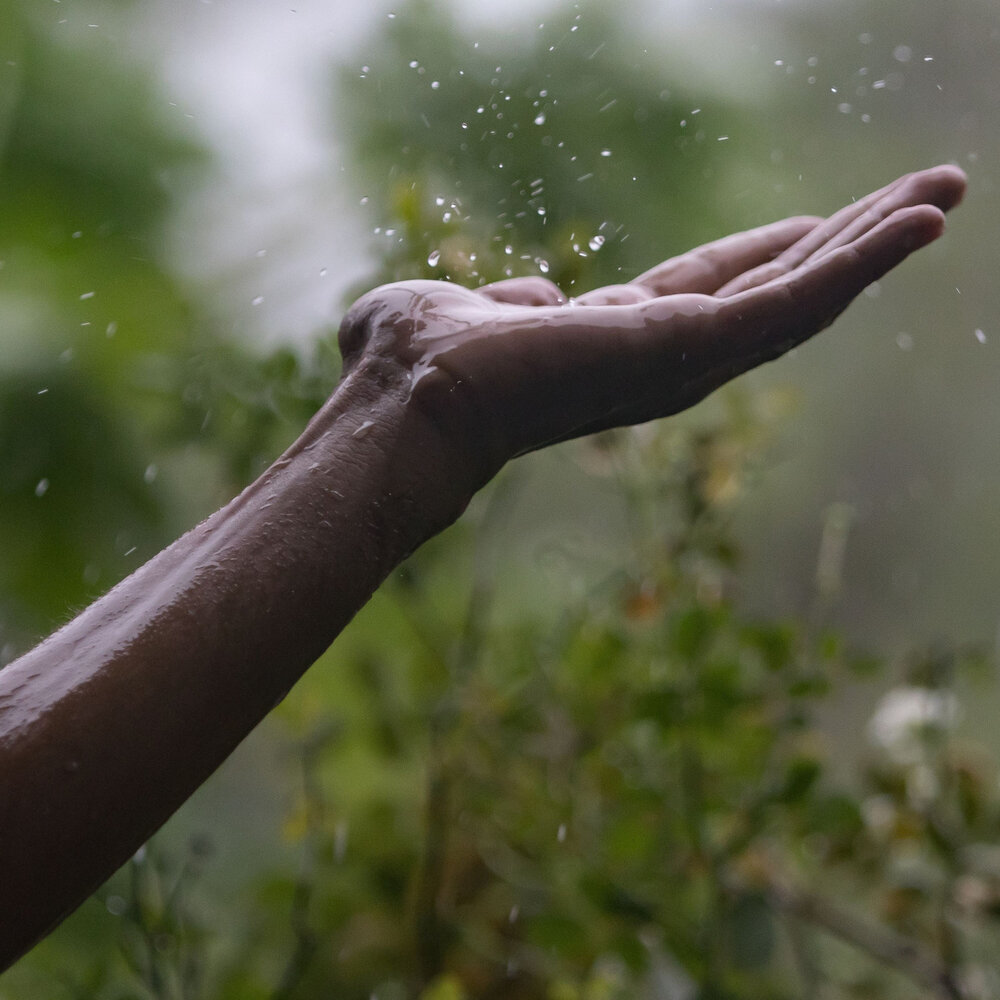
{"x":708,"y":267}
{"x":942,"y":187}
{"x":764,"y":322}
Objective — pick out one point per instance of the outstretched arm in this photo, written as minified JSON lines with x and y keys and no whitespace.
{"x":111,"y":723}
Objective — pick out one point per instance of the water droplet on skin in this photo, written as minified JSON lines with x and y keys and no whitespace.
{"x":364,"y":429}
{"x":433,"y":257}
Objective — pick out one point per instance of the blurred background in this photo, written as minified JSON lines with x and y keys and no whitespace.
{"x":696,"y":710}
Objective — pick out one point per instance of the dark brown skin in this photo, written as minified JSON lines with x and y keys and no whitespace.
{"x":111,"y":723}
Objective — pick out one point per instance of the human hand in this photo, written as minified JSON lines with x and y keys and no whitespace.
{"x":513,"y":366}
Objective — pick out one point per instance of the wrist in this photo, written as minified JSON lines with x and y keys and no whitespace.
{"x":384,"y":463}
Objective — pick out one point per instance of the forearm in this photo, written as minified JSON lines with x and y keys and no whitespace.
{"x":110,"y":724}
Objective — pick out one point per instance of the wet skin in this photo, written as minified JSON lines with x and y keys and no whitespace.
{"x":112,"y":722}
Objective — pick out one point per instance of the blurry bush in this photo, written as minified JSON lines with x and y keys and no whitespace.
{"x":616,"y":787}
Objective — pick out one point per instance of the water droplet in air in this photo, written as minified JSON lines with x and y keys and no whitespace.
{"x":433,"y":257}
{"x":980,"y":336}
{"x":596,"y":242}
{"x":151,"y":473}
{"x":42,"y":488}
{"x":561,"y":833}
{"x":540,"y":119}
{"x":259,"y":300}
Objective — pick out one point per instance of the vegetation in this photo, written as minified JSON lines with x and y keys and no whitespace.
{"x":554,"y":758}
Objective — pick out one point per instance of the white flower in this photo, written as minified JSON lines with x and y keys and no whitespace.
{"x":906,"y":716}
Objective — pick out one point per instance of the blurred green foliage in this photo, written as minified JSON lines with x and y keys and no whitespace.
{"x":510,"y":778}
{"x":554,"y":152}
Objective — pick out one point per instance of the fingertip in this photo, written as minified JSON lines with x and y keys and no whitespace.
{"x":531,"y":290}
{"x":924,"y":223}
{"x":947,"y":185}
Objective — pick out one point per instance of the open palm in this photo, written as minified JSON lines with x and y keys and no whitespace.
{"x":516,"y":365}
